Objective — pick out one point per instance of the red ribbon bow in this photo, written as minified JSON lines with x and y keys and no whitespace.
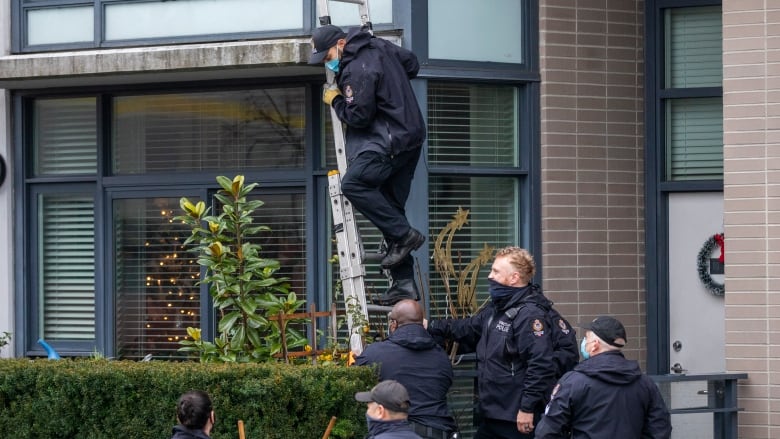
{"x":721,"y":243}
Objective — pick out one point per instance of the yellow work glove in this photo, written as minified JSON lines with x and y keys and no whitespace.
{"x":329,"y":94}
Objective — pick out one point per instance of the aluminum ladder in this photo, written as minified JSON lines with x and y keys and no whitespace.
{"x":348,"y":241}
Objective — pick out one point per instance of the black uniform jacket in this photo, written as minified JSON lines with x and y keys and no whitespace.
{"x":412,"y":357}
{"x":182,"y":432}
{"x":399,"y":429}
{"x":515,"y":364}
{"x":606,"y":396}
{"x":378,"y":103}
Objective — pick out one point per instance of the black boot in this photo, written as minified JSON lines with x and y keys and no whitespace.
{"x":401,"y":289}
{"x":401,"y":248}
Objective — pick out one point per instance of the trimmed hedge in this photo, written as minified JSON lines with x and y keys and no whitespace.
{"x":120,"y":399}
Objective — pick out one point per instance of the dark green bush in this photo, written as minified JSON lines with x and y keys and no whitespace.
{"x":116,"y":399}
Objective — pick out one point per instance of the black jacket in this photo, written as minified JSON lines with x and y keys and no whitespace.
{"x":378,"y":103}
{"x":182,"y":432}
{"x":606,"y":396}
{"x":412,"y":357}
{"x":514,"y":355}
{"x":566,"y":350}
{"x":391,"y":430}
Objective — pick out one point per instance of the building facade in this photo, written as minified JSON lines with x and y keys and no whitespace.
{"x":614,"y":139}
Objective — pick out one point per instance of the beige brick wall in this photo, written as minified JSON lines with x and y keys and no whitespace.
{"x":751,"y":125}
{"x":592,"y":160}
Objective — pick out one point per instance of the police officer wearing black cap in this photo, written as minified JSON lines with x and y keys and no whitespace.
{"x":384,"y":137}
{"x":386,"y":414}
{"x":412,"y":357}
{"x":606,"y":395}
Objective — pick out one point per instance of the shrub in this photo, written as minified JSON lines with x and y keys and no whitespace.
{"x":95,"y":399}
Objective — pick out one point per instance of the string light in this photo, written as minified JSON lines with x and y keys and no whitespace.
{"x":166,"y":323}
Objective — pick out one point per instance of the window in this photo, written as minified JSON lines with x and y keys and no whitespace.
{"x":456,"y":30}
{"x":66,"y":24}
{"x":117,"y":278}
{"x":44,"y":26}
{"x":238,"y":130}
{"x":157,"y":296}
{"x":66,"y":261}
{"x":64,"y":145}
{"x":477,"y":162}
{"x":474,"y":155}
{"x":694,"y":138}
{"x":127,"y":21}
{"x":65,"y":137}
{"x":693,"y":108}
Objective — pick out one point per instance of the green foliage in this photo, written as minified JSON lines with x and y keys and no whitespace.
{"x":94,"y":399}
{"x":242,"y":283}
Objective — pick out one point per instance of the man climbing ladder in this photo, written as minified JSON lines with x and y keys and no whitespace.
{"x":372,"y":95}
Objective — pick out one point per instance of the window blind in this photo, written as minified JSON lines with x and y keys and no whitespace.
{"x":67,"y":266}
{"x":157,"y":295}
{"x":155,"y":283}
{"x":245,"y":129}
{"x":694,"y":139}
{"x":694,"y":47}
{"x":492,"y":202}
{"x":284,"y":213}
{"x":472,"y":125}
{"x":65,"y":136}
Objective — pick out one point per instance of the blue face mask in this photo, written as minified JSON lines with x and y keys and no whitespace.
{"x":583,"y":349}
{"x":333,"y":65}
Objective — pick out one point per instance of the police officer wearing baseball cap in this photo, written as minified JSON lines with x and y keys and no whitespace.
{"x":387,"y":411}
{"x":605,"y":395}
{"x":384,"y":137}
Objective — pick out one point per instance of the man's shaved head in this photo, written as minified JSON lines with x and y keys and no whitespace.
{"x":407,"y":311}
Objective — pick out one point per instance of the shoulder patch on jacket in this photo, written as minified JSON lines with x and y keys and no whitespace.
{"x":538,"y":327}
{"x":564,"y":327}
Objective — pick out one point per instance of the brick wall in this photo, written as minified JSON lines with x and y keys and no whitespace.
{"x":591,"y":55}
{"x":751,"y":125}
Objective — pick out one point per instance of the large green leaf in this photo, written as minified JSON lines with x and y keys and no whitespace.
{"x":227,"y":322}
{"x":239,"y":339}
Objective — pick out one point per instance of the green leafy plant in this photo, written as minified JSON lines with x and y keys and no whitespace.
{"x":245,"y":290}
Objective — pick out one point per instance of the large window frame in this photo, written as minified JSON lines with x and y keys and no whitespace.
{"x":525,"y":78}
{"x":658,"y":186}
{"x":311,"y":183}
{"x":19,"y":26}
{"x":312,"y":178}
{"x":528,"y":70}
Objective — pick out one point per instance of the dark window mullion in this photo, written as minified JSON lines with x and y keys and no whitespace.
{"x":694,"y":92}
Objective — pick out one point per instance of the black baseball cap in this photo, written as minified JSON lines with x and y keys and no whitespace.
{"x":608,"y":329}
{"x":322,"y":39}
{"x":391,"y":394}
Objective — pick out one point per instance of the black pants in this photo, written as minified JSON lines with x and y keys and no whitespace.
{"x":378,"y":187}
{"x":496,"y":429}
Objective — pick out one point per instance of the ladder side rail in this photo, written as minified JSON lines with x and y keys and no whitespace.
{"x":351,"y":269}
{"x":338,"y":131}
{"x":323,"y":11}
